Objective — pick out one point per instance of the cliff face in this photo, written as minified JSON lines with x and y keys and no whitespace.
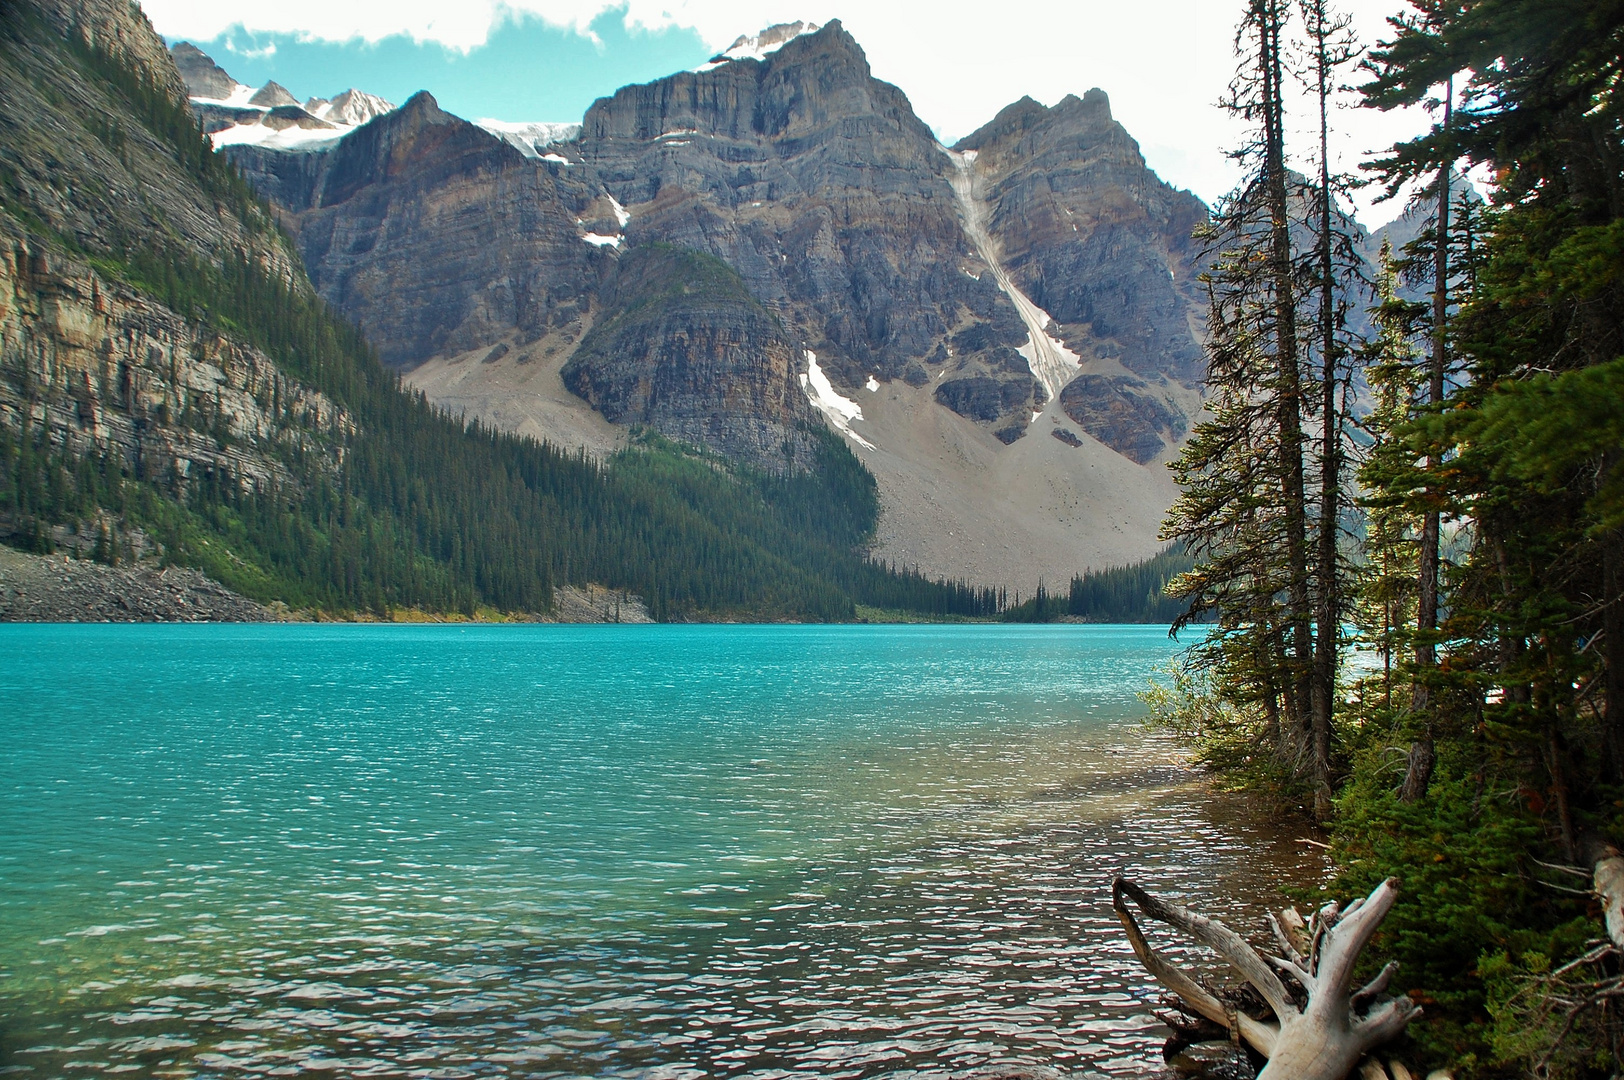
{"x":819,"y":185}
{"x":682,"y":347}
{"x":430,"y":233}
{"x":81,"y":166}
{"x":814,"y":181}
{"x":1105,"y":248}
{"x":116,"y":26}
{"x":105,"y":371}
{"x":86,"y":361}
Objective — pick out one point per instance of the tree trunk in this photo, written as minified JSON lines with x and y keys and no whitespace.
{"x":1289,"y":396}
{"x":1418,"y":775}
{"x":1607,"y":876}
{"x":1328,"y":598}
{"x":1325,"y":1036}
{"x":1612,"y":652}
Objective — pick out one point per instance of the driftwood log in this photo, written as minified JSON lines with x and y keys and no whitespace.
{"x":1322,"y":1026}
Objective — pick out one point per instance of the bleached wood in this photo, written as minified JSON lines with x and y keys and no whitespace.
{"x":1328,"y":1036}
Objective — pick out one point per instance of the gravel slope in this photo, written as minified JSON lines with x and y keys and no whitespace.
{"x":57,"y":588}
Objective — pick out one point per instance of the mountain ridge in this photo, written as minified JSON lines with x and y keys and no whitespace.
{"x":837,"y":208}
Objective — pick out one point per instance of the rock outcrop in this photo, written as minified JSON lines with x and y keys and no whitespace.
{"x":98,"y":180}
{"x":101,"y":370}
{"x":89,"y":365}
{"x":117,"y":27}
{"x":681,"y":346}
{"x":1104,"y":247}
{"x":203,"y":77}
{"x":832,"y":200}
{"x":432,"y":234}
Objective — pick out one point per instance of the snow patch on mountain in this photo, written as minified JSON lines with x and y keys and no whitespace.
{"x":1050,"y":360}
{"x":532,"y":138}
{"x":840,"y":411}
{"x":269,"y":116}
{"x":238,"y":99}
{"x":759,"y":46}
{"x":291,"y":138}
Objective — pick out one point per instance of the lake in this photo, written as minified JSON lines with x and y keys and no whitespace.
{"x":654,"y":851}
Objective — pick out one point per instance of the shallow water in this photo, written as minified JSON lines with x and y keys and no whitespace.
{"x":613,"y":851}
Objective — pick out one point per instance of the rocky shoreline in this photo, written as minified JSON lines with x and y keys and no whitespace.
{"x":59,"y":588}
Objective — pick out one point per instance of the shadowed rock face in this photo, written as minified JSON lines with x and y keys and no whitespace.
{"x":430,"y":233}
{"x":681,"y":346}
{"x":1124,"y":413}
{"x":1102,"y":245}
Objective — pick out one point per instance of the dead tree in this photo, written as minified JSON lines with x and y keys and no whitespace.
{"x":1322,"y":1026}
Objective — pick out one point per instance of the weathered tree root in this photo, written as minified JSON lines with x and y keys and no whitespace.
{"x":1325,"y":1036}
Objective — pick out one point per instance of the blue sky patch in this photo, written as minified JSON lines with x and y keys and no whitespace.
{"x":527,"y":69}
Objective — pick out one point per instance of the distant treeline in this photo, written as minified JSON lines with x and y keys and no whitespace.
{"x":412,"y":508}
{"x":1121,"y":594}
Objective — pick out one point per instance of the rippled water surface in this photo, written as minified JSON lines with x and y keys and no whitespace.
{"x":609,"y":851}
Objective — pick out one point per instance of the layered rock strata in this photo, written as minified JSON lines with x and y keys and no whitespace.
{"x":100,"y":370}
{"x":681,"y":346}
{"x":1102,"y":246}
{"x":433,"y":235}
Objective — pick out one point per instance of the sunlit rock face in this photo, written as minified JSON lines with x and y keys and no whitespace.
{"x":1037,"y":279}
{"x":680,"y":345}
{"x":831,"y":199}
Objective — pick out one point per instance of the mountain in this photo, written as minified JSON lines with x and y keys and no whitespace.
{"x":172,"y":386}
{"x":233,"y":114}
{"x":1106,"y":249}
{"x":1006,"y":332}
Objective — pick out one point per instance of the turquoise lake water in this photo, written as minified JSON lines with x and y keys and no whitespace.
{"x":661,"y":851}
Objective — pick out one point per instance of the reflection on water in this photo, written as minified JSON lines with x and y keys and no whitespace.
{"x":607,"y":851}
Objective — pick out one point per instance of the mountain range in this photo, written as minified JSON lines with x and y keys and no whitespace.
{"x":1007,"y":331}
{"x":174,"y":390}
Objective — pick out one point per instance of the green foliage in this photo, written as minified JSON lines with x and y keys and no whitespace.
{"x":1459,"y":857}
{"x":1136,"y":593}
{"x":1540,"y":1024}
{"x":1231,"y":737}
{"x":1496,"y":413}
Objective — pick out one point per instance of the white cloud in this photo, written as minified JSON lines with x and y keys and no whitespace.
{"x":1164,"y":63}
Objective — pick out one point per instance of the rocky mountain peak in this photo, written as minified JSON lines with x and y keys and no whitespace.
{"x":1028,"y":126}
{"x":353,"y":108}
{"x":812,"y":80}
{"x":1095,"y":103}
{"x":420,"y":113}
{"x":271,"y":95}
{"x":203,"y":77}
{"x":1016,"y":117}
{"x":756,"y":46}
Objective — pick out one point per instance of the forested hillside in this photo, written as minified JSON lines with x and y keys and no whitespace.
{"x":169,"y":376}
{"x":1136,"y":593}
{"x":1420,"y":632}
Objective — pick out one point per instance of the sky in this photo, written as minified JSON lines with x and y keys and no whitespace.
{"x":1164,"y":63}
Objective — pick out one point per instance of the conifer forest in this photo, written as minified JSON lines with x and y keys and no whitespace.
{"x":1404,"y":508}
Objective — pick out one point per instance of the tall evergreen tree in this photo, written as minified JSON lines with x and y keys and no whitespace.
{"x":1262,"y":505}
